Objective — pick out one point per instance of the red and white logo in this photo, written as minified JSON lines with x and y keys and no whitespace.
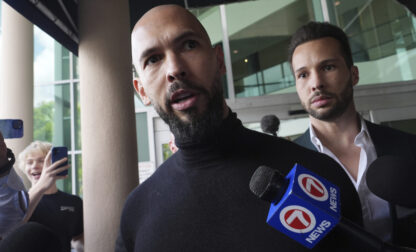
{"x":297,"y":219}
{"x":313,"y":187}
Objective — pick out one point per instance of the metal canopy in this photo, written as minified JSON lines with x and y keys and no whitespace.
{"x":59,"y":18}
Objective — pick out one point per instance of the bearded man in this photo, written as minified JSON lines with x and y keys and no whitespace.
{"x":199,"y":199}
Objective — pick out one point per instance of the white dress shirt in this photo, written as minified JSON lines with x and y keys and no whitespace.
{"x":376,"y":212}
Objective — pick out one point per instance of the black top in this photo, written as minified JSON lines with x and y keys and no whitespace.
{"x":199,"y":199}
{"x":61,"y":212}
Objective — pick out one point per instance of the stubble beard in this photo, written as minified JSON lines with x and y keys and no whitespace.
{"x":200,"y":125}
{"x":339,"y":107}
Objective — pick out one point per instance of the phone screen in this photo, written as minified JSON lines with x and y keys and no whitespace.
{"x":57,"y":154}
{"x":11,"y":128}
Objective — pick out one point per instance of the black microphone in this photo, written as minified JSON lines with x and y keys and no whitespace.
{"x":270,"y":124}
{"x":392,"y":178}
{"x":270,"y":185}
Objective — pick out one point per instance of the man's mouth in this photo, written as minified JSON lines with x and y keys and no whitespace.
{"x":36,"y":175}
{"x":183,"y":99}
{"x":320,"y":100}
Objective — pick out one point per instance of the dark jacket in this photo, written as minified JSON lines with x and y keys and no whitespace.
{"x":388,"y":141}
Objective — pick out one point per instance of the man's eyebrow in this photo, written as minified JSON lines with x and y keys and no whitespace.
{"x":331,"y":60}
{"x":184,"y":35}
{"x":180,"y":37}
{"x":300,"y":69}
{"x":146,"y":53}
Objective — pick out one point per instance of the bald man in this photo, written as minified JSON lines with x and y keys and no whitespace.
{"x":199,"y":199}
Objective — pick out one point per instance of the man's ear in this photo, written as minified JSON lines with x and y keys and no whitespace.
{"x":220,"y":59}
{"x":140,"y":90}
{"x":355,"y":75}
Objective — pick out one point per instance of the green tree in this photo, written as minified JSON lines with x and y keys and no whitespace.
{"x":43,"y":121}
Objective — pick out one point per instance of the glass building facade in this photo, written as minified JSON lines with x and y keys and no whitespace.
{"x":254,"y":36}
{"x":382,"y":35}
{"x":56,"y":104}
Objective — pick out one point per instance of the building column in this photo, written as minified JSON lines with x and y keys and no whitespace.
{"x":109,"y":150}
{"x":16,"y":75}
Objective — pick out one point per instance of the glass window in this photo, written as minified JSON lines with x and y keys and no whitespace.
{"x":259,"y":41}
{"x":78,"y":178}
{"x":44,"y":65}
{"x":61,"y":62}
{"x":52,"y":115}
{"x":382,"y":35}
{"x":77,"y":117}
{"x":142,"y":137}
{"x":75,"y":67}
{"x":210,"y":18}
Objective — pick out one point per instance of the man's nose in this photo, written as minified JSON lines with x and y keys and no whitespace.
{"x":175,"y":68}
{"x":316,"y":81}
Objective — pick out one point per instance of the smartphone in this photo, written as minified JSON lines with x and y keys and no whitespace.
{"x":57,"y":154}
{"x":11,"y":128}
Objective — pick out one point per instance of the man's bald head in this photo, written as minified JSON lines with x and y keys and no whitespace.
{"x":179,"y":71}
{"x":158,"y":19}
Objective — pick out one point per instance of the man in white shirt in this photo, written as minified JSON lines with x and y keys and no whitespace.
{"x":322,"y":64}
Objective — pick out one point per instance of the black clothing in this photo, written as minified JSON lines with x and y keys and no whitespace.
{"x":392,"y":142}
{"x":62,"y":213}
{"x":31,"y":237}
{"x":199,"y":199}
{"x":11,"y":159}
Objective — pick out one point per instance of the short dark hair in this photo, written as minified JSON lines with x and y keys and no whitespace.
{"x":317,"y":30}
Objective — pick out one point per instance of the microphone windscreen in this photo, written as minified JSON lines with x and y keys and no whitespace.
{"x":267,"y":183}
{"x":270,"y":124}
{"x":31,"y":237}
{"x":393,"y":179}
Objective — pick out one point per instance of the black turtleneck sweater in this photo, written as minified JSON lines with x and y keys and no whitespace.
{"x":199,"y":199}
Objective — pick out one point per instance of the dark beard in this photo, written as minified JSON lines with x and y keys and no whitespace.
{"x":200,"y":126}
{"x":339,"y":107}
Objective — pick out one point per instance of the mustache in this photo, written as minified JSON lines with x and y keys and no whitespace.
{"x":320,"y":93}
{"x":186,"y":85}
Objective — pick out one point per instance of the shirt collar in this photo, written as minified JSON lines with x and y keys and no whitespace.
{"x":362,"y":137}
{"x":314,"y":139}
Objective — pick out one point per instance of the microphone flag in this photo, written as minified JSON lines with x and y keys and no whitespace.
{"x":309,"y":208}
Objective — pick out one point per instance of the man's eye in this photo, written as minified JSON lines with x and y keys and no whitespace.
{"x":301,"y":75}
{"x":328,"y":67}
{"x":190,"y":44}
{"x":153,"y":59}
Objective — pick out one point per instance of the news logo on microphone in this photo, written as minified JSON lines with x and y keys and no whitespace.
{"x":309,"y":208}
